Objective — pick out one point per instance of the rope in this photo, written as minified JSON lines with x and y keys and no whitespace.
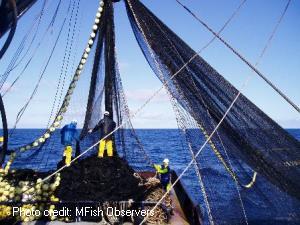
{"x":13,"y":62}
{"x":22,"y":110}
{"x":69,"y":52}
{"x":60,"y":78}
{"x":285,"y":97}
{"x":32,"y":56}
{"x":249,"y":185}
{"x":63,"y":66}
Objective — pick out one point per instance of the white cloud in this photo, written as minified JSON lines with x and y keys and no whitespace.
{"x":7,"y":87}
{"x":142,"y":95}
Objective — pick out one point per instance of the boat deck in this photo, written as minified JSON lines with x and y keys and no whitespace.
{"x":178,"y":217}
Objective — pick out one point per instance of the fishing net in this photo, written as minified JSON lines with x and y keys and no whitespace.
{"x":247,"y":141}
{"x":98,"y":89}
{"x":111,"y":92}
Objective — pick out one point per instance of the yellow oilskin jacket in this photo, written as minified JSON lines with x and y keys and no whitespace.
{"x":161,"y":170}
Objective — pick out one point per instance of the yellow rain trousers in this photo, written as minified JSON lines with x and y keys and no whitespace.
{"x":169,"y":186}
{"x":105,"y":144}
{"x":68,"y":155}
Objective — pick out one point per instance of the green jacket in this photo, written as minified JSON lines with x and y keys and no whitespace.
{"x":161,"y":170}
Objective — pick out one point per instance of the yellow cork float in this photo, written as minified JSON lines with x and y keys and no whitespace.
{"x":24,"y":193}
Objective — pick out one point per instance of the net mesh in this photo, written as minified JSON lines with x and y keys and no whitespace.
{"x":99,"y":88}
{"x":247,"y":140}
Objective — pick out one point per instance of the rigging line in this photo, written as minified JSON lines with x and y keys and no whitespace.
{"x":36,"y":19}
{"x":70,"y":50}
{"x":261,"y":55}
{"x":269,"y":82}
{"x":13,"y":63}
{"x":22,"y":110}
{"x":34,"y":52}
{"x":67,"y":98}
{"x":12,"y":29}
{"x":59,"y":86}
{"x":47,"y":144}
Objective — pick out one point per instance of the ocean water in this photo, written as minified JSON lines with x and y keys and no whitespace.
{"x":159,"y":144}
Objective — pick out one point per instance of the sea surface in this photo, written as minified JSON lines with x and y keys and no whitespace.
{"x":160,"y":144}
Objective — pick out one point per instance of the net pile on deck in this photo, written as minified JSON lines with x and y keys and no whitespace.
{"x":100,"y":179}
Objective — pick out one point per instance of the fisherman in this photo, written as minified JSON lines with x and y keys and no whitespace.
{"x":105,"y":126}
{"x":69,"y":134}
{"x":164,"y":172}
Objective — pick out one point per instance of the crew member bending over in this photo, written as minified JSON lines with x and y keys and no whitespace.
{"x":164,"y":172}
{"x":69,"y":134}
{"x":105,"y":126}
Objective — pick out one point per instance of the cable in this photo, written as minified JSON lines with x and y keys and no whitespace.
{"x":62,"y":68}
{"x":243,"y":58}
{"x":33,"y":53}
{"x":13,"y":62}
{"x":22,"y":110}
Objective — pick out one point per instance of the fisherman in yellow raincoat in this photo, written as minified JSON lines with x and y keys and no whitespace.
{"x":69,"y":134}
{"x":164,"y":172}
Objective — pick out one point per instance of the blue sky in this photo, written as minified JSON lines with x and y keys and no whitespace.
{"x":248,"y":33}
